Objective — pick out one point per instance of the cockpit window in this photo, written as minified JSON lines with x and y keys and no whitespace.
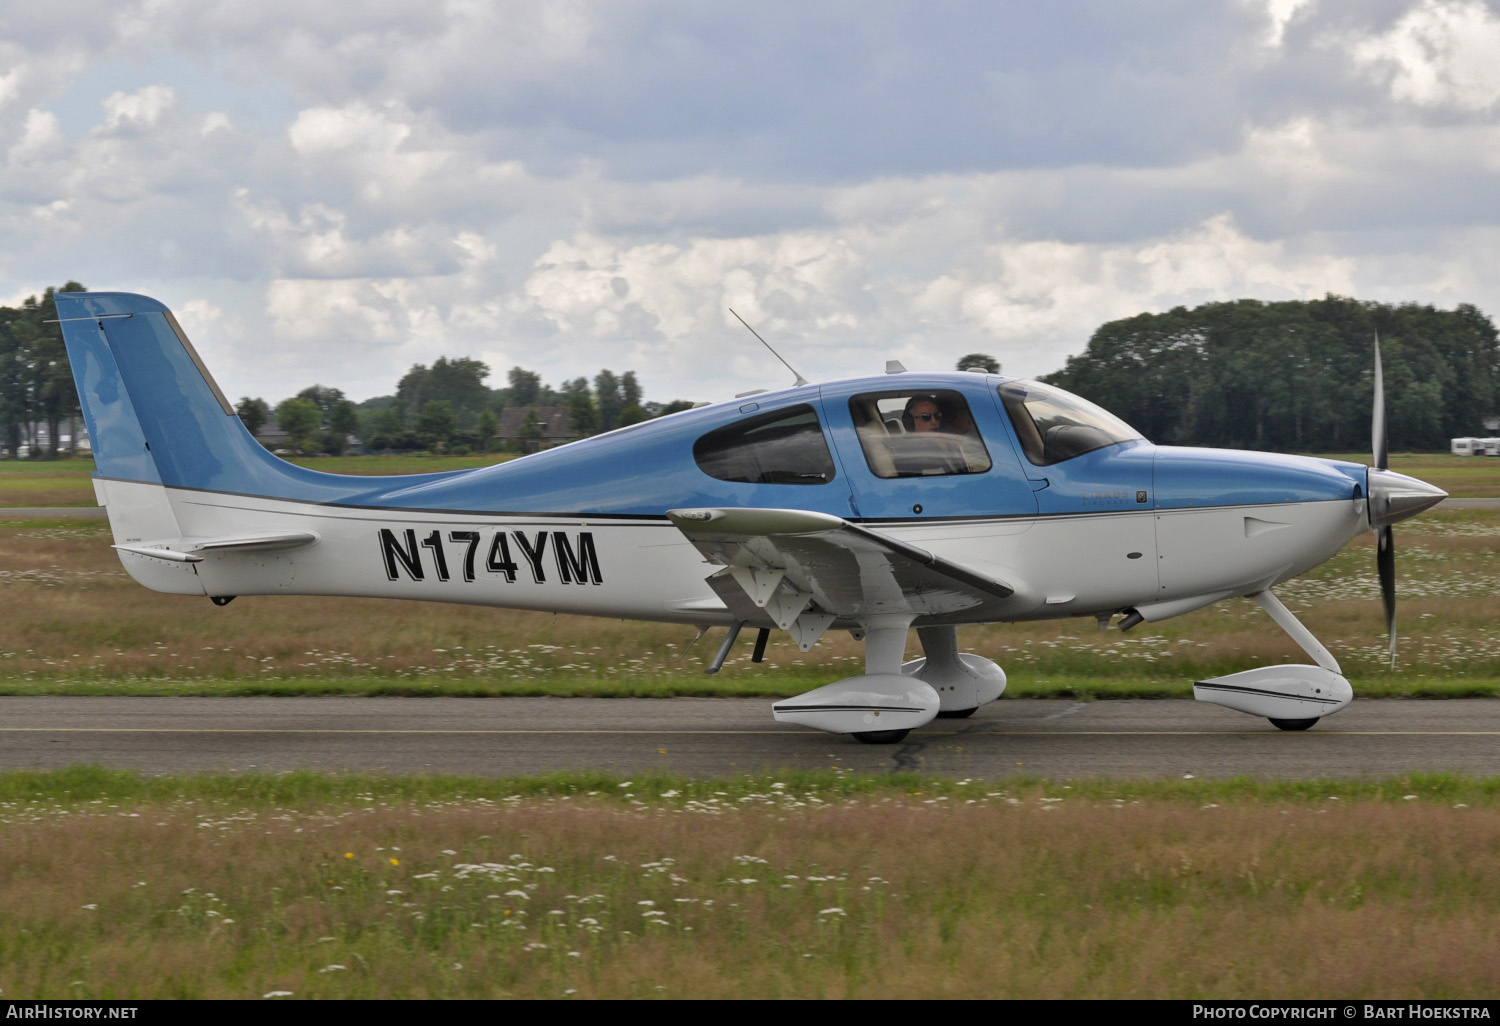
{"x":918,"y":434}
{"x":782,"y":447}
{"x":1054,"y":425}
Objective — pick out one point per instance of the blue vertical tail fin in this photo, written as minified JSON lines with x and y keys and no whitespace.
{"x":155,"y":415}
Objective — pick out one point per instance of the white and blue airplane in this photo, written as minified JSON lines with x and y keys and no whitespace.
{"x":872,"y":505}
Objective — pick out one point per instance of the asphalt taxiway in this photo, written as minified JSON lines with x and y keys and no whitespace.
{"x":708,"y":737}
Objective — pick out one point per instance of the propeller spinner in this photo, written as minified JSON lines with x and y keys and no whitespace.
{"x":1393,"y":497}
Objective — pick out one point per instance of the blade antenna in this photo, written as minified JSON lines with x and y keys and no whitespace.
{"x":800,"y":379}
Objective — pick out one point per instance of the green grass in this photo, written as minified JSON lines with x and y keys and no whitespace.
{"x":825,"y":884}
{"x":79,"y":786}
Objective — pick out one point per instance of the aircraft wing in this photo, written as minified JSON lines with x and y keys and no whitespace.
{"x":804,"y":572}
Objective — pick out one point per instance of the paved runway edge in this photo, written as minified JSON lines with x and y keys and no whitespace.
{"x":722,"y":737}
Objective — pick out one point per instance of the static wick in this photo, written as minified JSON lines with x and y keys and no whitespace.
{"x":800,"y":379}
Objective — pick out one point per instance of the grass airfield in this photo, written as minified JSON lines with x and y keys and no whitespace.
{"x":786,"y":885}
{"x":826,"y":884}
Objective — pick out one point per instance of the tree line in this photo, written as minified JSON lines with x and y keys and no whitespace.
{"x":1295,"y":375}
{"x":449,"y":407}
{"x":37,"y":397}
{"x":1245,"y":374}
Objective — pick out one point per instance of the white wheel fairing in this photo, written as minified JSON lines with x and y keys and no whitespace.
{"x":869,"y":702}
{"x":1288,"y":692}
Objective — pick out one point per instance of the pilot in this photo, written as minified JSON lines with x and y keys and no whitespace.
{"x":956,"y":447}
{"x":922,"y":414}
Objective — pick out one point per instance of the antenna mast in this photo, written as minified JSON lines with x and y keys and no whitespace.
{"x":800,"y":379}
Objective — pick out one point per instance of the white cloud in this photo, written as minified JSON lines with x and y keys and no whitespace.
{"x":325,"y":130}
{"x":573,"y":185}
{"x":318,"y":243}
{"x":1440,"y":53}
{"x":41,"y":138}
{"x":31,"y":76}
{"x":330,"y":312}
{"x":1279,"y":14}
{"x":144,"y":108}
{"x":662,"y":290}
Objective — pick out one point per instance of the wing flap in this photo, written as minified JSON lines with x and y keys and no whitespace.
{"x":804,"y":570}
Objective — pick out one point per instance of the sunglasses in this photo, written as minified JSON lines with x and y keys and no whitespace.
{"x":927,"y":416}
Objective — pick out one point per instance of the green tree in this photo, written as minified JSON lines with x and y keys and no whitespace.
{"x":979,"y":361}
{"x":382,"y":430}
{"x":411,"y":393}
{"x":608,"y":398}
{"x":344,"y":417}
{"x":531,"y":432}
{"x":630,"y":389}
{"x":300,"y":419}
{"x":525,"y":387}
{"x":342,"y":421}
{"x":583,"y":416}
{"x":486,"y":428}
{"x":461,"y":383}
{"x":324,"y":398}
{"x":437,"y":423}
{"x":36,"y":381}
{"x":458,"y":382}
{"x":1292,"y":375}
{"x":253,"y":413}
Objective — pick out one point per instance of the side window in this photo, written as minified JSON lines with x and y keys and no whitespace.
{"x":918,"y":434}
{"x":1054,"y":425}
{"x":781,"y":447}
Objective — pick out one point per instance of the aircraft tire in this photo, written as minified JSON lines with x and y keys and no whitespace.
{"x":1293,"y":724}
{"x":880,"y":737}
{"x":957,"y":714}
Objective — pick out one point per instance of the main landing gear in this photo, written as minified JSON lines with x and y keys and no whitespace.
{"x":891,"y":699}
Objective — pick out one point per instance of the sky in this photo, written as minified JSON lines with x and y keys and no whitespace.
{"x":332,"y":193}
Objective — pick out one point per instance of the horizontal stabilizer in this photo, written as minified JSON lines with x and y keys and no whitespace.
{"x":159,"y":552}
{"x":190,"y":550}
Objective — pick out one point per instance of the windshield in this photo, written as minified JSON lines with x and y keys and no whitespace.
{"x":1054,"y":425}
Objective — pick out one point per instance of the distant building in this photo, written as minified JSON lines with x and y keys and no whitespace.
{"x":272,"y":437}
{"x":1474,"y":446}
{"x":72,"y":436}
{"x":552,"y":421}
